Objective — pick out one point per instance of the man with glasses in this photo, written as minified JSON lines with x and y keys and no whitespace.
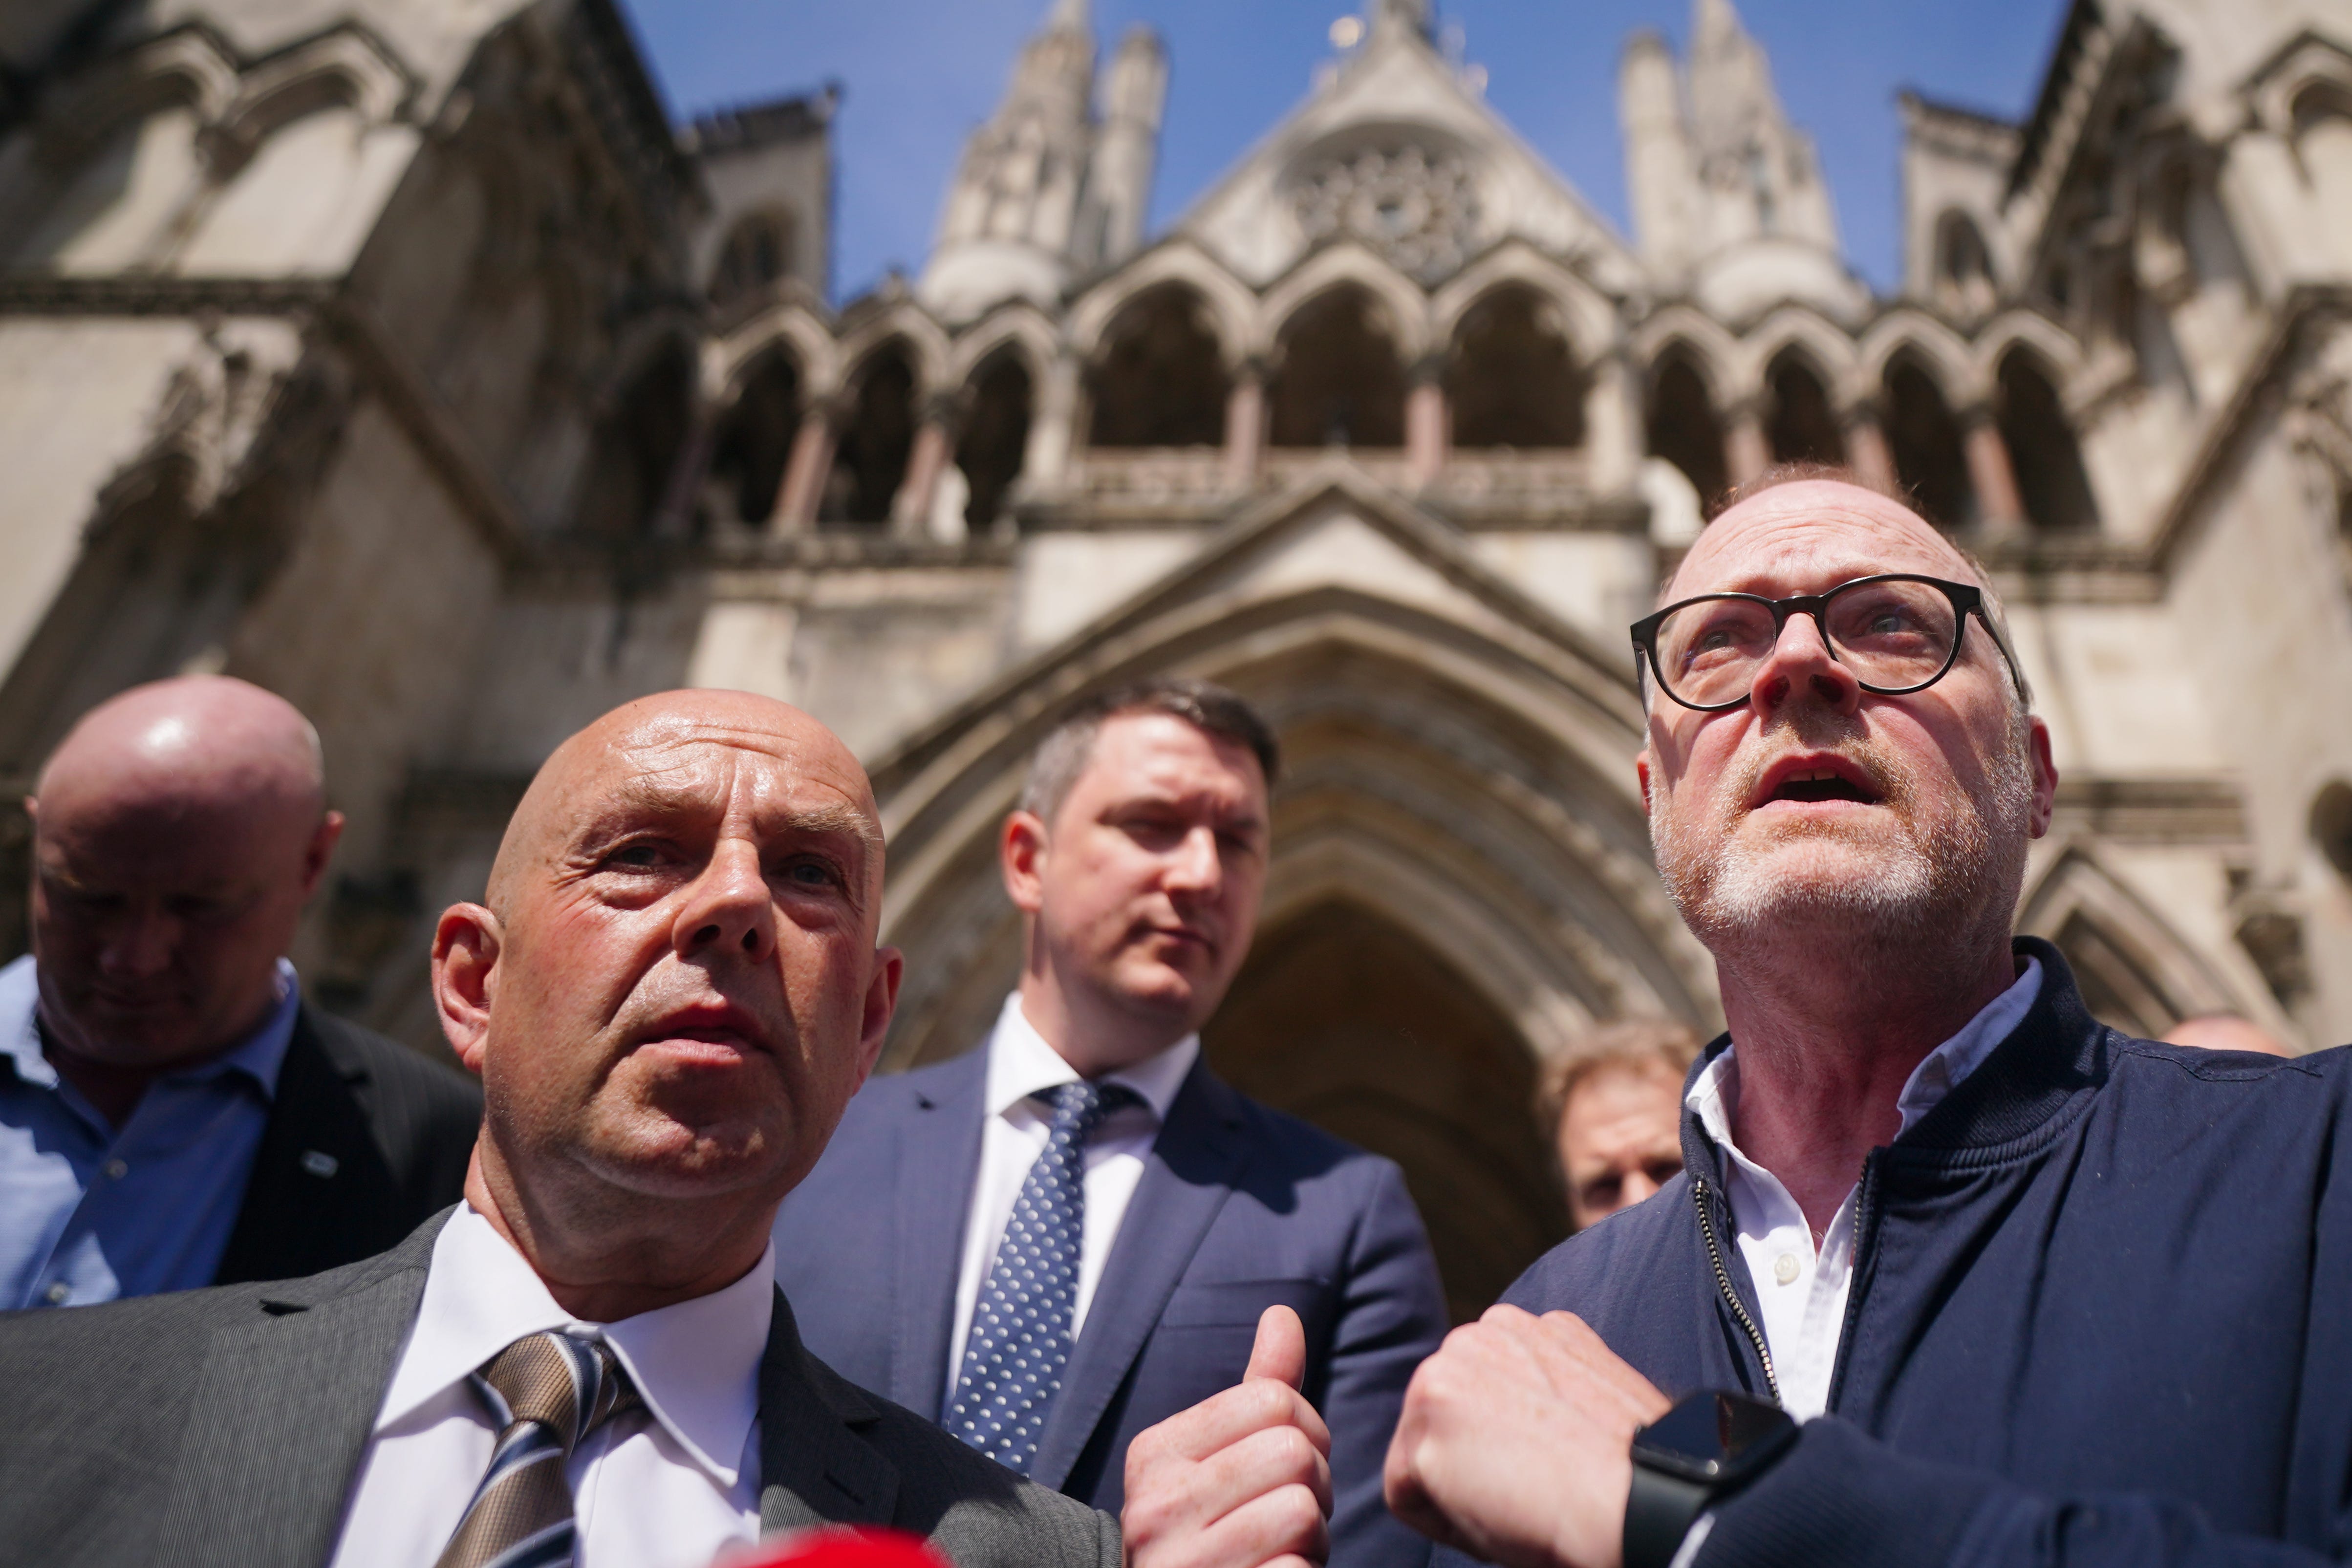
{"x":1953,"y":1273}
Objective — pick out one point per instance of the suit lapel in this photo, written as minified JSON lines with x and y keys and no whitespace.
{"x":1186,"y":1179}
{"x":320,"y":1189}
{"x":283,"y":1408}
{"x":814,"y":1468}
{"x":938,"y":1161}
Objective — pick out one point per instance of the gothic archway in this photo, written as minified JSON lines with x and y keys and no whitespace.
{"x":1344,"y":1019}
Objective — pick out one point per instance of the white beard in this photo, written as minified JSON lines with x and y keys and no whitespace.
{"x":1891,"y":883}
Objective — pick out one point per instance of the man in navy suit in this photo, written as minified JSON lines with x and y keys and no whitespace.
{"x":1069,"y":1234}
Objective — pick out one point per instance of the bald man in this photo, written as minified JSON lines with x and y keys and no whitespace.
{"x":172,"y":1113}
{"x":671,"y":991}
{"x":1952,"y":1273}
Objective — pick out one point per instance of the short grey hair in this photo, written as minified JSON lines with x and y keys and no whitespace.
{"x":1063,"y":755}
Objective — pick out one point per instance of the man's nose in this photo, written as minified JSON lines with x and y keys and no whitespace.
{"x":729,"y":909}
{"x":1637,"y":1187}
{"x":140,"y":943}
{"x":1799,"y":668}
{"x":1194,"y":866}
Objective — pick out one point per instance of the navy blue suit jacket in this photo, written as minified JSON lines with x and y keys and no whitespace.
{"x":1239,"y":1207}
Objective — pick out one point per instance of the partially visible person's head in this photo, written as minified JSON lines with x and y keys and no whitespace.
{"x":178,"y":830}
{"x":1611,"y":1105}
{"x":1137,"y":855}
{"x":2227,"y":1032}
{"x":673,"y":988}
{"x":1816,"y":811}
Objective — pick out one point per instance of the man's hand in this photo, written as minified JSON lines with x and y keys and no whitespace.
{"x":1240,"y":1481}
{"x":1516,"y":1444}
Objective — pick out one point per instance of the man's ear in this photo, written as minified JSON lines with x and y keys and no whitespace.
{"x":465,"y":946}
{"x":881,"y":1003}
{"x":320,"y":851}
{"x":1020,"y":851}
{"x":2045,"y":775}
{"x":1642,"y":772}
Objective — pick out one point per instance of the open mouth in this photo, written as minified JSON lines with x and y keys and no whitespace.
{"x":1822,"y":787}
{"x":1817,"y":780}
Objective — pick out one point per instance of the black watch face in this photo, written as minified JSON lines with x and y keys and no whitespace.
{"x":1715,"y":1437}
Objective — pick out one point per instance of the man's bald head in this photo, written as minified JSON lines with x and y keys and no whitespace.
{"x":178,"y":830}
{"x":200,"y":740}
{"x":633,"y":740}
{"x":674,"y":989}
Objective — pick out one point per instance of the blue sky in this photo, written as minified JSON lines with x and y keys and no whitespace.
{"x":919,"y":74}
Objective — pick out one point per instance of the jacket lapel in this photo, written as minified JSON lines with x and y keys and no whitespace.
{"x":320,"y":1191}
{"x":283,"y":1408}
{"x":1186,"y":1179}
{"x":938,"y":1161}
{"x":814,"y":1468}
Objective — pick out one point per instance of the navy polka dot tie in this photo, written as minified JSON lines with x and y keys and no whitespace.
{"x":1020,"y":1338}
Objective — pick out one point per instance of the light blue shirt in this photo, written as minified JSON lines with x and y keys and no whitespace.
{"x":89,"y":1212}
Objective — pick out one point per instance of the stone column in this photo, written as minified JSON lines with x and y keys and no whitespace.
{"x":806,"y":470}
{"x":934,"y":449}
{"x":674,"y":515}
{"x":1613,"y":424}
{"x":1245,"y":424}
{"x":1425,"y":421}
{"x":1866,"y":449}
{"x":1999,"y":508}
{"x":1045,"y":463}
{"x":1746,"y":452}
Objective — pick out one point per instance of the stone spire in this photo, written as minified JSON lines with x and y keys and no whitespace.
{"x":1757,"y":174}
{"x":1012,"y":215}
{"x":1660,"y":172}
{"x":1408,"y":16}
{"x":1119,"y":177}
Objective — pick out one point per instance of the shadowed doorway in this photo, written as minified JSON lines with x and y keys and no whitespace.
{"x":1344,"y":1020}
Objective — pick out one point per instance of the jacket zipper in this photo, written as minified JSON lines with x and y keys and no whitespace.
{"x":1865,"y":1236}
{"x":1730,"y":1296}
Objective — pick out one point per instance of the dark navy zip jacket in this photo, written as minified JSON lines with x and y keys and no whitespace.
{"x":2101,"y":1314}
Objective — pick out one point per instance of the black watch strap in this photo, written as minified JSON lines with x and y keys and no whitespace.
{"x":1659,"y":1512}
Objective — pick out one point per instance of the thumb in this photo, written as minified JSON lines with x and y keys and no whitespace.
{"x":1280,"y":1352}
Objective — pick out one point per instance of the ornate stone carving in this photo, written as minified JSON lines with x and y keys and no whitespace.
{"x":1419,"y":206}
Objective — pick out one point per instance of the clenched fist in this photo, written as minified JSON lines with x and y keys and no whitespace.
{"x":1516,"y":1444}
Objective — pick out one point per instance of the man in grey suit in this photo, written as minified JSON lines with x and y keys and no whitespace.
{"x":671,"y":992}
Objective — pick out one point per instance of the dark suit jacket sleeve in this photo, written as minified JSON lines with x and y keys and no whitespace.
{"x":1391,"y":1316}
{"x":366,"y":1140}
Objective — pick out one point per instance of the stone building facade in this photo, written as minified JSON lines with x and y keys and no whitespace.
{"x":401,"y":357}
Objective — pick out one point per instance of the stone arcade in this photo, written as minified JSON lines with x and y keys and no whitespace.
{"x":403,"y":357}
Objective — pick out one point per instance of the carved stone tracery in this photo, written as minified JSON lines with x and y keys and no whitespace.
{"x":1417,"y":205}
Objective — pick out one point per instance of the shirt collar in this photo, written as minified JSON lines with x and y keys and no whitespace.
{"x":1021,"y":1063}
{"x":259,"y":1057}
{"x":1714,"y":1095}
{"x":697,"y":1364}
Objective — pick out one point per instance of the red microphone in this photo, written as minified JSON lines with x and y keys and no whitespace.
{"x":840,"y":1548}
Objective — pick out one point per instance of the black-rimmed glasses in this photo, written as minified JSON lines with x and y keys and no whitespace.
{"x":1897,"y":631}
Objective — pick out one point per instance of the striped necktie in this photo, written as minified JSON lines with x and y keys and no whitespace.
{"x":1020,"y":1338}
{"x":549,"y":1390}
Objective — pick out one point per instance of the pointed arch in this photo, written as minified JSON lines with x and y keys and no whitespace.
{"x":997,"y":406}
{"x":2137,"y":973}
{"x":1586,"y":317}
{"x":1826,"y":349}
{"x":1016,"y":326}
{"x":2034,"y":424}
{"x":1681,"y":423}
{"x":751,"y":442}
{"x":1338,"y":373}
{"x":918,"y":332}
{"x":1511,"y":376}
{"x":882,"y":399}
{"x":1942,"y":352}
{"x":1711,"y":352}
{"x":1404,"y":308}
{"x":793,"y":326}
{"x":1158,"y":376}
{"x":1230,"y":309}
{"x":1926,"y":441}
{"x":1800,"y":419}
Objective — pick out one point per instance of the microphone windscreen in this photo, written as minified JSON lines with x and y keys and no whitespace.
{"x":837,"y":1548}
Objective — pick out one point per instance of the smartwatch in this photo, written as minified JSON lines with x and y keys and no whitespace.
{"x":1700,"y":1451}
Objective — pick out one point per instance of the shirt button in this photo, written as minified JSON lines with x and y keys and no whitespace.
{"x":1785,"y":1266}
{"x":57,"y":1293}
{"x":116,"y":1170}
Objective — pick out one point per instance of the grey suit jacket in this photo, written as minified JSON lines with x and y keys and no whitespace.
{"x":223,"y":1429}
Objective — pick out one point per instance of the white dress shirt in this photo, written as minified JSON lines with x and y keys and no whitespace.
{"x":667,"y":1485}
{"x":1802,"y":1289}
{"x":1013,"y":1134}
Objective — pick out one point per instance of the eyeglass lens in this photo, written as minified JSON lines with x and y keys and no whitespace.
{"x":1890,"y":634}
